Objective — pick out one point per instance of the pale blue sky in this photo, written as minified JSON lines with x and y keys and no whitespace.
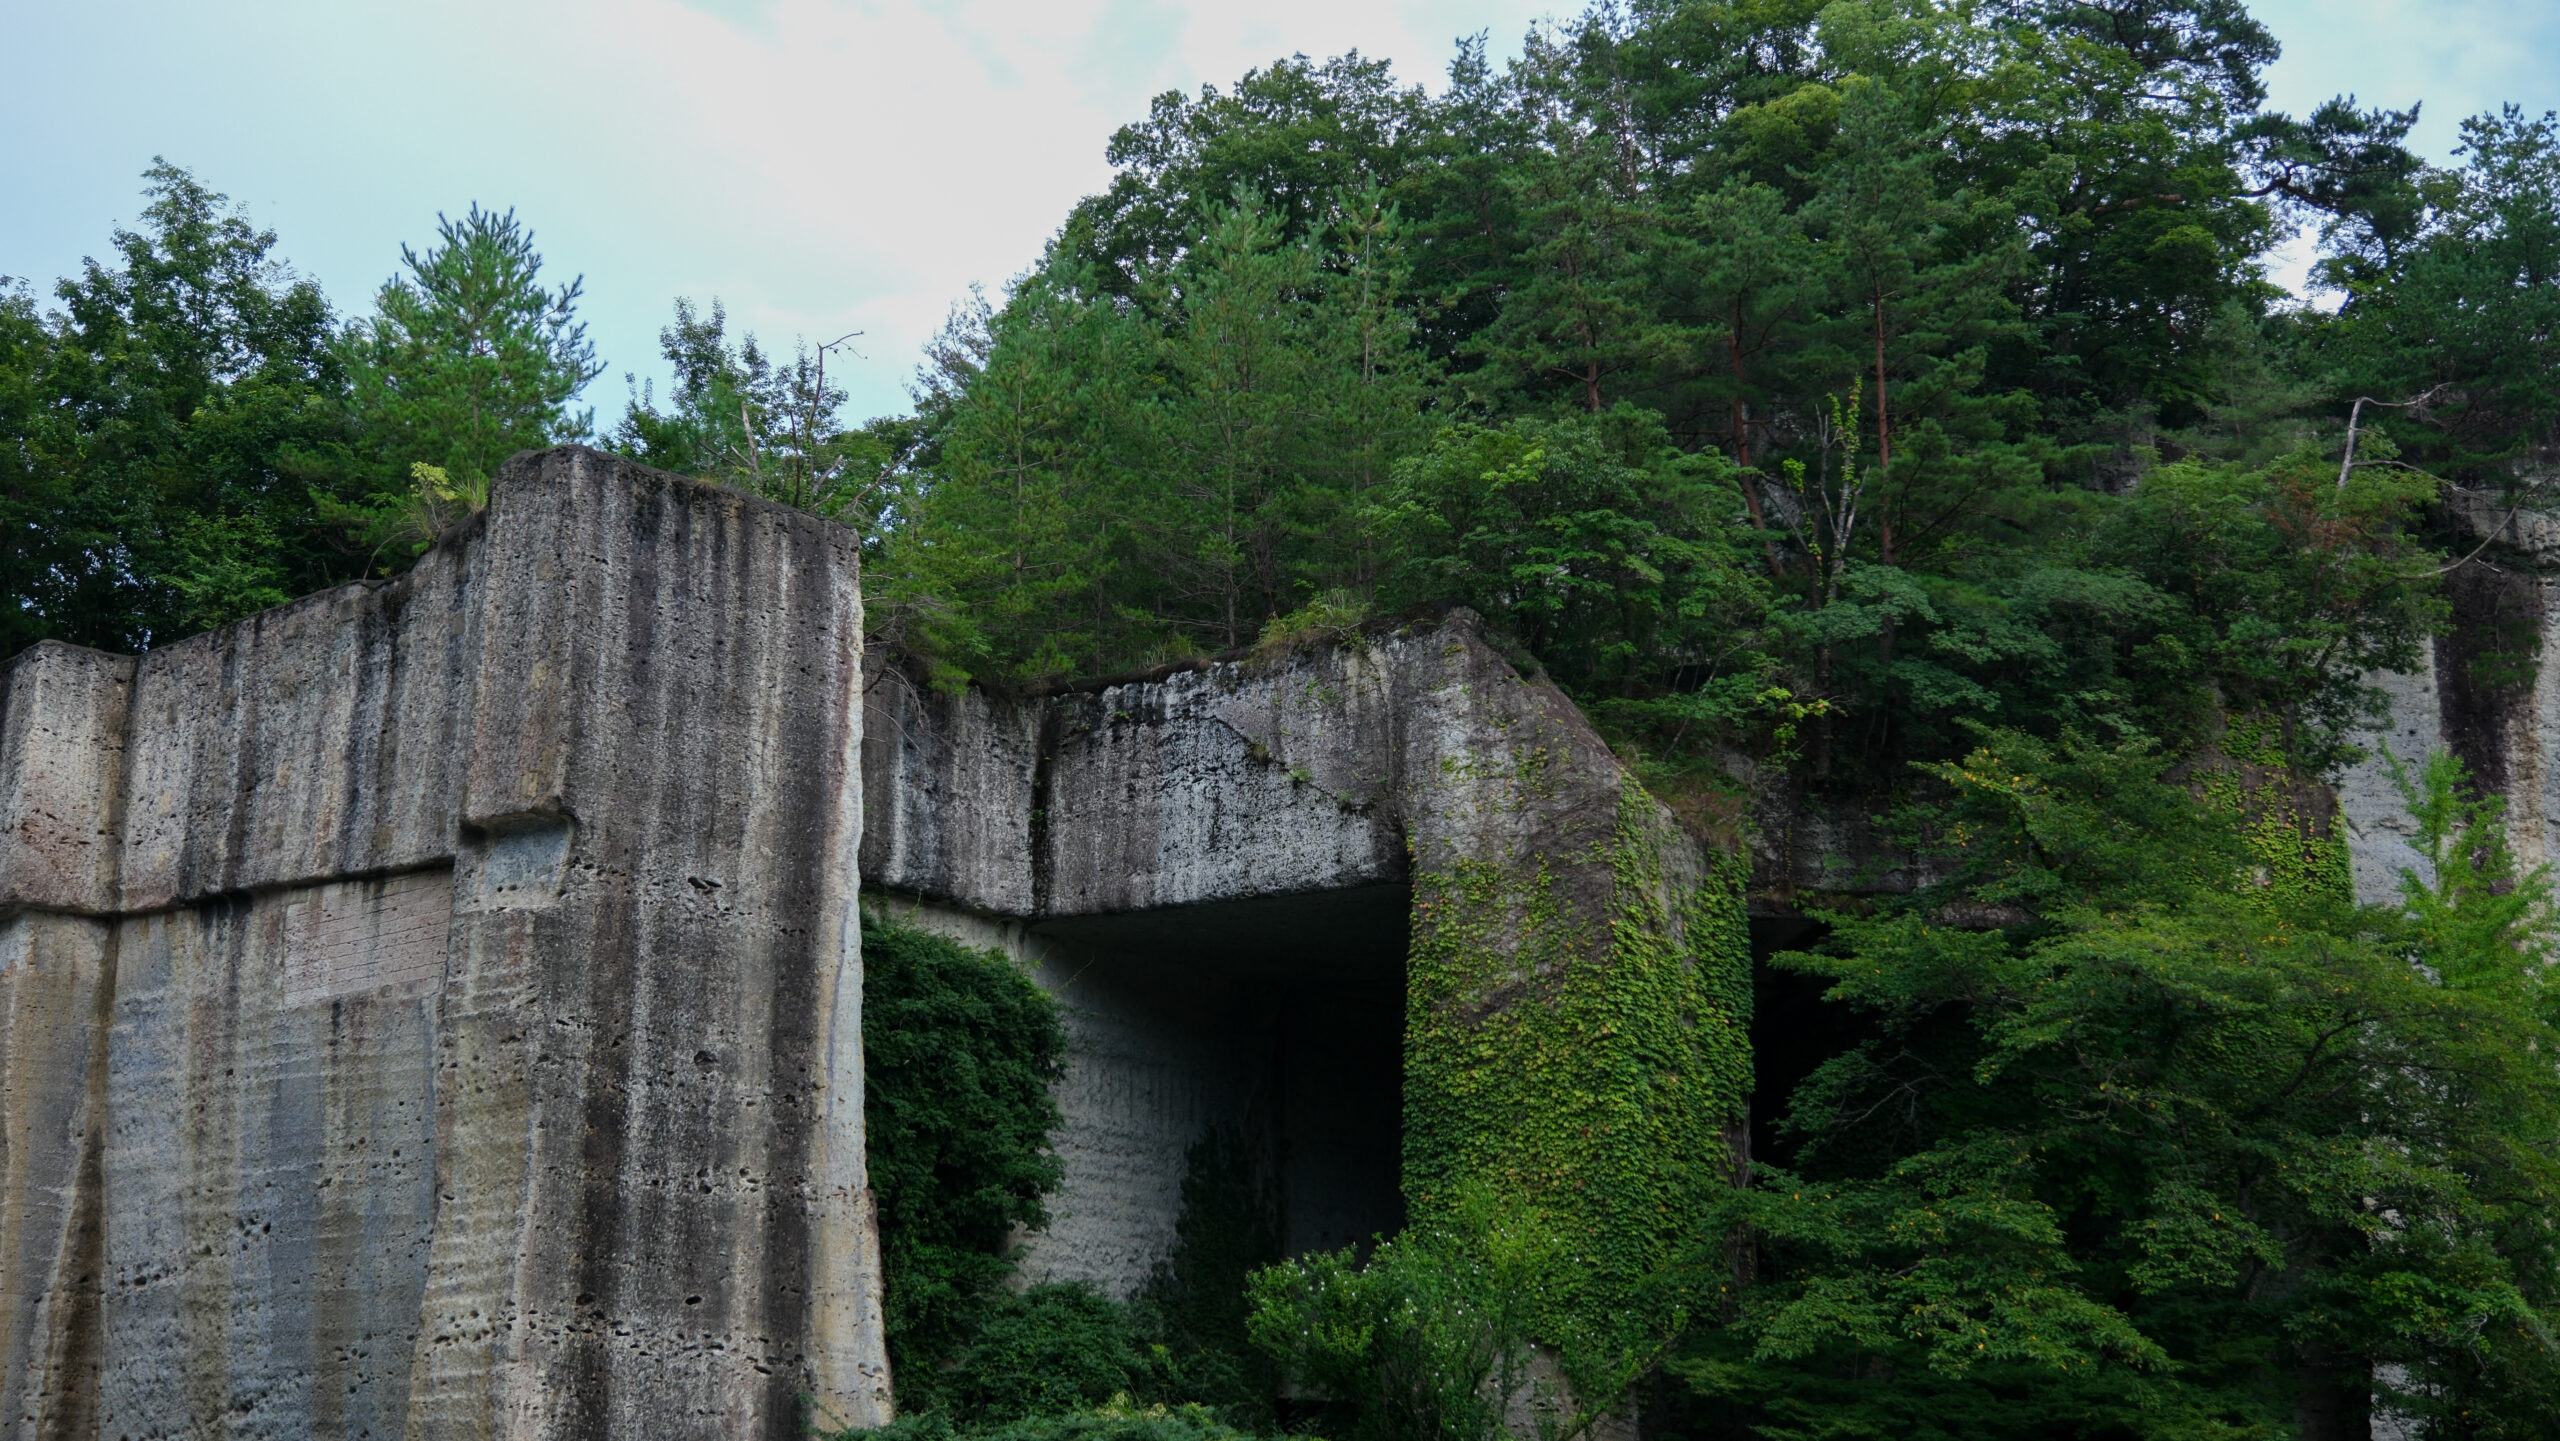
{"x":821,"y":165}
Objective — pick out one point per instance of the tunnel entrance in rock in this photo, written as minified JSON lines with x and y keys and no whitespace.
{"x":1278,"y":1019}
{"x":1793,"y":1031}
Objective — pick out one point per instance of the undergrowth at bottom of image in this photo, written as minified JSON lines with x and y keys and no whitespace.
{"x":1421,"y":1337}
{"x":1063,"y":1360}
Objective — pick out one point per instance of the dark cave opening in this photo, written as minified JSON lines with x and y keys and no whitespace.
{"x":1285,"y":1017}
{"x":1793,"y":1030}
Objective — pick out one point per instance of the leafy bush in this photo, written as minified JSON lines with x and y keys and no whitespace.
{"x":1117,"y":1420}
{"x":1194,"y":1310}
{"x":1442,"y":1335}
{"x":1051,"y":1351}
{"x":959,"y":1051}
{"x":2178,"y":1152}
{"x":1612,"y":556}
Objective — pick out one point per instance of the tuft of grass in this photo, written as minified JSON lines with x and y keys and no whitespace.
{"x":1334,"y":617}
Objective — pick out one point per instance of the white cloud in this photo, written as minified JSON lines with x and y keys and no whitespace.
{"x":822,"y":167}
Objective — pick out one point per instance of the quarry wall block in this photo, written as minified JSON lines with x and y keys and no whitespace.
{"x":2487,"y":691}
{"x":62,"y":731}
{"x":56,"y":974}
{"x":948,"y":782}
{"x":433,"y":1008}
{"x":1567,"y":937}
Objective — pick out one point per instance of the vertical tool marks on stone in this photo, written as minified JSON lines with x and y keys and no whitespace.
{"x":1154,"y":801}
{"x":62,"y":749}
{"x":948,"y":783}
{"x":55,"y":974}
{"x":483,"y":964}
{"x":268,"y":1182}
{"x":306,"y":742}
{"x":687,"y":695}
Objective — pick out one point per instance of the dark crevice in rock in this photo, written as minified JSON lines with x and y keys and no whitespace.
{"x":2485,"y":665}
{"x":1044,"y":765}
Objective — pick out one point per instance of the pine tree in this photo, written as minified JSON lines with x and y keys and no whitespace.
{"x":467,"y":359}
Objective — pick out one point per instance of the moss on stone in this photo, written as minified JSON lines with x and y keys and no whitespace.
{"x":1597,"y":1072}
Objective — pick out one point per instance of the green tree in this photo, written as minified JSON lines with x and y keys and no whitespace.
{"x":1012,"y":563}
{"x":1613,"y":557}
{"x":467,"y":358}
{"x":1433,"y":1336}
{"x":1294,"y":134}
{"x":1581,"y":321}
{"x":1373,"y":401}
{"x":2171,"y":1154}
{"x":775,"y":429}
{"x":33,"y":493}
{"x":174,"y":432}
{"x":959,"y":1052}
{"x":2461,"y":316}
{"x":1237,"y":366}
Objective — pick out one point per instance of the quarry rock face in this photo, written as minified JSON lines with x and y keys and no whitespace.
{"x":433,"y":1008}
{"x":1388,"y":861}
{"x":2488,"y":691}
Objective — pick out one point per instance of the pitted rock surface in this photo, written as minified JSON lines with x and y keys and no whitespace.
{"x":433,"y":1008}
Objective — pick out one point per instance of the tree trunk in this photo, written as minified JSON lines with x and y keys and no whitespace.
{"x":1884,"y":479}
{"x":1742,"y":450}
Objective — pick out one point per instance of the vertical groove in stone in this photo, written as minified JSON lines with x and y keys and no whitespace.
{"x":63,"y":717}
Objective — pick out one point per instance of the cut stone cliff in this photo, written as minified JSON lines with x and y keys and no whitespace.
{"x":433,"y":1007}
{"x":1243,"y":878}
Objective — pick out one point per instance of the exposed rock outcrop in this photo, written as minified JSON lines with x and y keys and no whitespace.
{"x":1567,"y":937}
{"x":432,"y":1008}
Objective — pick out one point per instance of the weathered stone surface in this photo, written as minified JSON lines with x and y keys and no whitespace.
{"x":55,"y":975}
{"x":1328,"y":769}
{"x":947,"y":784}
{"x":1276,"y":1020}
{"x":1119,"y":837}
{"x":62,"y":734}
{"x":2488,"y":691}
{"x":433,"y":1008}
{"x":2369,"y":800}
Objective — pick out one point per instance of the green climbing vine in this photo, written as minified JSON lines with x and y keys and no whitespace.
{"x":2292,"y":850}
{"x":960,"y":1050}
{"x":1594,"y":1073}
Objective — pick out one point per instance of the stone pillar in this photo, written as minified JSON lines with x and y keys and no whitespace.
{"x":432,"y":1008}
{"x":62,"y":722}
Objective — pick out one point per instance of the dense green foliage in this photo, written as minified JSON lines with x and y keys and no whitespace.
{"x":168,"y":427}
{"x":1883,"y":399}
{"x":736,"y":416}
{"x":1717,"y":350}
{"x":2173,"y":1156}
{"x":192,"y":436}
{"x":959,"y":1052}
{"x":467,"y":359}
{"x":1117,"y":1420}
{"x":1828,"y":383}
{"x":1435,"y":1334}
{"x":1645,"y":1034}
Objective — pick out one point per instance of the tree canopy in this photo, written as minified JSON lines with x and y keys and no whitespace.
{"x":1883,"y":402}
